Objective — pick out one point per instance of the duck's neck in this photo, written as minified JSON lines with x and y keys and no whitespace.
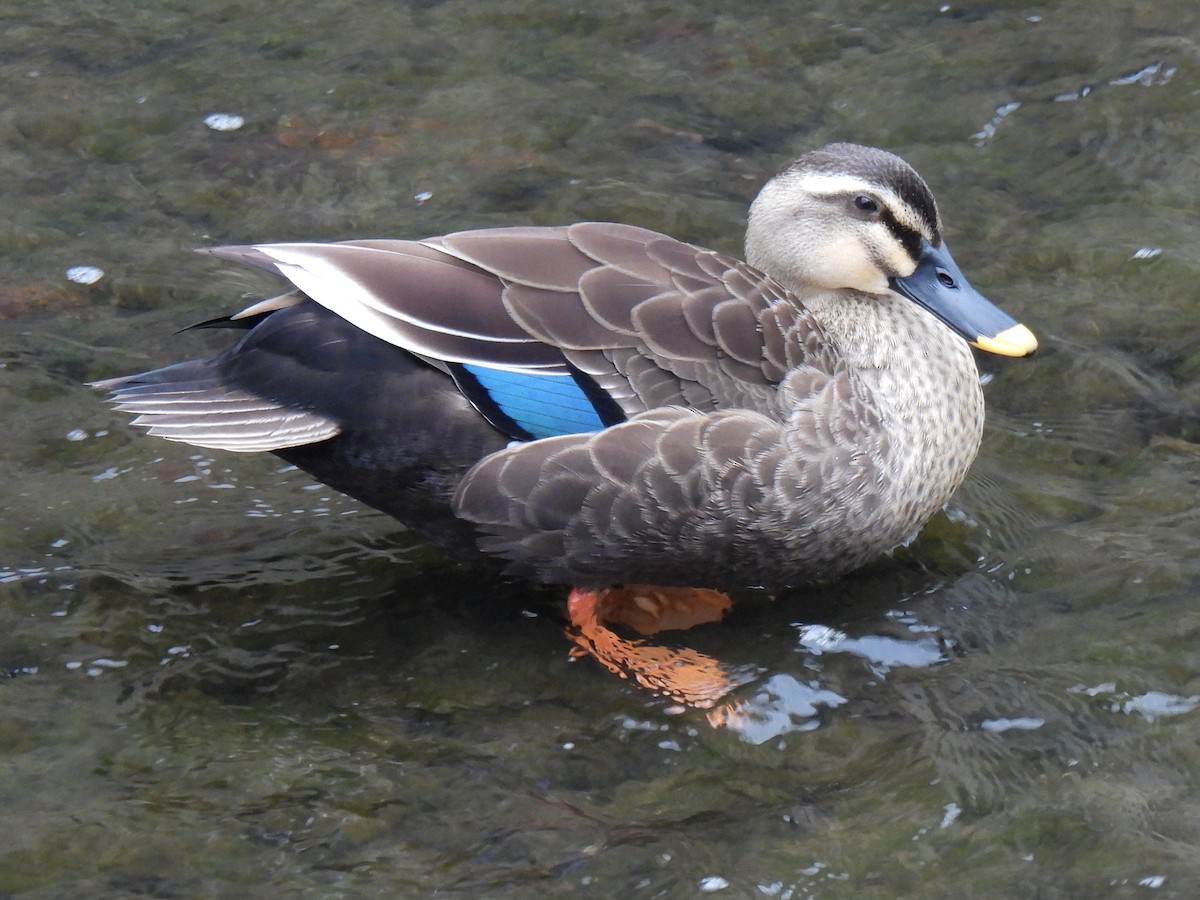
{"x":922,"y":380}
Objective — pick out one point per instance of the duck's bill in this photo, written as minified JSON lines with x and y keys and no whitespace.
{"x":940,"y":286}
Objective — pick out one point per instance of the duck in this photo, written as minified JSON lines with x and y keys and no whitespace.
{"x":653,"y":424}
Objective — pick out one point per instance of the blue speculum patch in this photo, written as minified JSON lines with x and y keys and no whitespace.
{"x":539,"y":405}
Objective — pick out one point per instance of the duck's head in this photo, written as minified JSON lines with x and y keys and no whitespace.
{"x":847,"y":217}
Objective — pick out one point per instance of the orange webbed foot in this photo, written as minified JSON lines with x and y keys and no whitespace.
{"x":649,"y":608}
{"x":684,"y":675}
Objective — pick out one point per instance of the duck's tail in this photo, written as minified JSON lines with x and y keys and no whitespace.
{"x":191,"y":402}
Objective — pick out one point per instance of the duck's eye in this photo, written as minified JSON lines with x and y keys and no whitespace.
{"x":865,"y":204}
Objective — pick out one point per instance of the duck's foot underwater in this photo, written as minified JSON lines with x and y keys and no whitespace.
{"x":684,"y":675}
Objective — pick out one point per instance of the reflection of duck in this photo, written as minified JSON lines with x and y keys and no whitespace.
{"x":600,"y":404}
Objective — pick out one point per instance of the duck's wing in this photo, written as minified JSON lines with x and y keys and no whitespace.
{"x":407,"y":294}
{"x":564,"y":330}
{"x":656,"y":321}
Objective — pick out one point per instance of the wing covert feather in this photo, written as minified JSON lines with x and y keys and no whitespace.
{"x":538,"y":257}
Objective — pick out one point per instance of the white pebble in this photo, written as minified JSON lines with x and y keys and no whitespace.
{"x":224,"y":121}
{"x":84,"y":274}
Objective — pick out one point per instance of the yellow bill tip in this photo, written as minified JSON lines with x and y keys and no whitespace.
{"x":1014,"y":341}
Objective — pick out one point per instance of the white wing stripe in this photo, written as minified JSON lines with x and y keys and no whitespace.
{"x":328,"y":284}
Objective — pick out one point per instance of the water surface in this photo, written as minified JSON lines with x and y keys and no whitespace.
{"x":219,"y":679}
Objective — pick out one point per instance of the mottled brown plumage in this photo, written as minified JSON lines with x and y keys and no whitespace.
{"x":755,"y":423}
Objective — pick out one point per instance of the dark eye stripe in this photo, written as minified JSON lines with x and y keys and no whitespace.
{"x":909,"y":239}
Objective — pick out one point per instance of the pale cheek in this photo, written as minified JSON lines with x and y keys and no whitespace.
{"x":897,"y":261}
{"x":844,"y":265}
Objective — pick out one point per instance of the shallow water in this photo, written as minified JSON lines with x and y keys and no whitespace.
{"x":218,"y":679}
